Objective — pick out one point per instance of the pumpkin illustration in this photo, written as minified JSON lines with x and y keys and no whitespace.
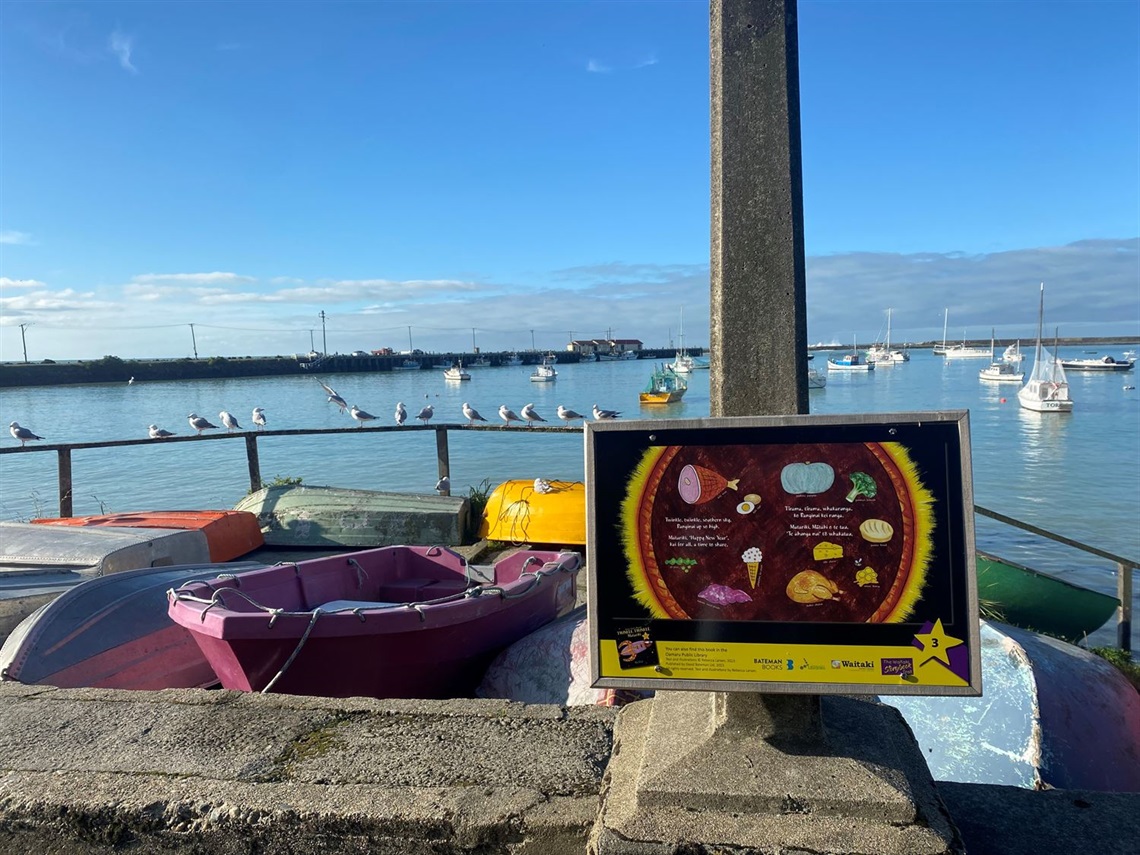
{"x":806,"y":479}
{"x":698,"y":485}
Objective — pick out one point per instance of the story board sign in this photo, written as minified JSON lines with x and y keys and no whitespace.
{"x":797,"y":554}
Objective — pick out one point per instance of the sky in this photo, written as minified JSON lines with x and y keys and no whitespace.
{"x":252,"y":178}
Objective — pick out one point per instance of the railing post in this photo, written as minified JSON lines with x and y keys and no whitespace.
{"x":442,"y":458}
{"x":1124,"y":610}
{"x":254,"y":464}
{"x":64,"y":456}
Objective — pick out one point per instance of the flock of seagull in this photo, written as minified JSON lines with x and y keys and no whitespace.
{"x":527,"y":415}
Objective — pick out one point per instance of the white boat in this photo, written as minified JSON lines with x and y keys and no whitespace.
{"x":816,"y":379}
{"x":1000,"y":370}
{"x":882,"y":354}
{"x":957,"y":351}
{"x":456,"y":372}
{"x":940,"y":349}
{"x":1013,"y":353}
{"x":480,"y":362}
{"x":544,"y":372}
{"x":1047,"y":390}
{"x":850,"y":361}
{"x":682,"y":363}
{"x":629,"y":354}
{"x":513,"y":360}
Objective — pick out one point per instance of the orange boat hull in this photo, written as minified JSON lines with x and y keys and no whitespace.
{"x":229,"y":534}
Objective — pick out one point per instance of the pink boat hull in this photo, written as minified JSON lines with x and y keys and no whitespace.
{"x":394,"y":622}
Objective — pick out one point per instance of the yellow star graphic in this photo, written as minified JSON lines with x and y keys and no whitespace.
{"x":937,"y":643}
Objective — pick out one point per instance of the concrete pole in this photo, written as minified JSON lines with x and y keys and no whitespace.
{"x":758,"y":305}
{"x":758,"y":311}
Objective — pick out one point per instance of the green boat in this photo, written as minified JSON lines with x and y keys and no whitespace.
{"x":1033,"y":600}
{"x":333,"y":516}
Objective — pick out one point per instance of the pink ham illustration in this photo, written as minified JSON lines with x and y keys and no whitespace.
{"x":698,"y":485}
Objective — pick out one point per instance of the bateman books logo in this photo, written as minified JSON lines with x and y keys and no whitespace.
{"x":857,"y":664}
{"x":898,"y":667}
{"x":768,"y":663}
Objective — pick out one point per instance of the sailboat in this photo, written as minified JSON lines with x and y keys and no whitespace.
{"x":1000,"y":370}
{"x":883,"y":354}
{"x":683,"y":363}
{"x":1047,"y":390}
{"x":940,"y":349}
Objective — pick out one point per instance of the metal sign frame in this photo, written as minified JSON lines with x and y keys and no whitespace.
{"x":811,"y":614}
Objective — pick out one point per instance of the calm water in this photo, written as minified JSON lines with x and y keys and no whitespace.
{"x":1077,"y":475}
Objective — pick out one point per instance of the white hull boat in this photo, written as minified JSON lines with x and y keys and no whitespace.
{"x":1047,"y":389}
{"x":883,"y":354}
{"x":544,"y":372}
{"x":1000,"y":371}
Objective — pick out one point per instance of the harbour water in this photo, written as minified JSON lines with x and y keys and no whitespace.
{"x":1077,"y":474}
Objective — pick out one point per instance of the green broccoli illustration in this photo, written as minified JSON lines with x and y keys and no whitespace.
{"x":861,"y":485}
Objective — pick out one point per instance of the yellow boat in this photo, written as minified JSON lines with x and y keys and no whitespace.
{"x":538,"y":511}
{"x":665,"y":387}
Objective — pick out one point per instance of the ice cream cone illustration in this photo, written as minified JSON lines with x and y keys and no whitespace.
{"x":752,"y":557}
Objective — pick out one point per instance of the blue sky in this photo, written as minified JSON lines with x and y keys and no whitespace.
{"x":531,"y":169}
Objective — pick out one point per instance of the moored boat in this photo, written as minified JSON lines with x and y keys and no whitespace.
{"x":538,"y":511}
{"x":665,"y":387}
{"x":1103,"y":363}
{"x":407,"y":365}
{"x":850,"y":361}
{"x":402,"y":621}
{"x":1047,"y":389}
{"x":816,"y":379}
{"x":229,"y":534}
{"x":1000,"y":371}
{"x":456,"y":372}
{"x":112,"y":632}
{"x":883,"y":354}
{"x":545,"y":372}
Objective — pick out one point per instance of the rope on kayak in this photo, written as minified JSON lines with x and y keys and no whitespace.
{"x":550,"y":568}
{"x":304,"y":637}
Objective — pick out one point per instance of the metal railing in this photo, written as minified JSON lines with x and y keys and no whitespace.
{"x":1125,"y":567}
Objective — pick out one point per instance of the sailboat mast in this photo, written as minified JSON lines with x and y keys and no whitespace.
{"x":888,"y":332}
{"x":1040,"y":324}
{"x":945,"y":321}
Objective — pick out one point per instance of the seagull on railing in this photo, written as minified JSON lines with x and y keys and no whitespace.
{"x":401,"y":413}
{"x":471,"y":414}
{"x":159,"y":433}
{"x":334,"y":398}
{"x":259,"y":417}
{"x":568,"y":415}
{"x":21,"y":433}
{"x":530,"y":415}
{"x":602,"y":415}
{"x":443,"y":485}
{"x":229,"y":420}
{"x":426,"y":413}
{"x":508,"y":415}
{"x":200,"y":424}
{"x":360,"y":416}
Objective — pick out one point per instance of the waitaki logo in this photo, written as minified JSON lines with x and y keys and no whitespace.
{"x":852,"y":663}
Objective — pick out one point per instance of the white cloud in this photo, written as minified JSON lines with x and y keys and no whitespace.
{"x":596,"y":67}
{"x":16,"y":238}
{"x":190,"y":279}
{"x":647,"y":61}
{"x":6,"y":283}
{"x":120,"y":44}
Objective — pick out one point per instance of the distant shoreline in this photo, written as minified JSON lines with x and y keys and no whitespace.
{"x":112,"y":369}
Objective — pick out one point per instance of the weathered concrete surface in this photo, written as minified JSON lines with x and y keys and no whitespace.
{"x":88,"y":770}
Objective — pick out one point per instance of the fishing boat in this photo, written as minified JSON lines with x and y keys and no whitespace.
{"x":1000,"y":370}
{"x":397,"y":622}
{"x":850,"y":361}
{"x":301,"y":515}
{"x":665,"y":387}
{"x":544,"y":372}
{"x":883,"y":354}
{"x":1100,"y":364}
{"x":229,"y":534}
{"x":456,"y":372}
{"x":112,"y":632}
{"x":539,"y":511}
{"x":1047,"y":389}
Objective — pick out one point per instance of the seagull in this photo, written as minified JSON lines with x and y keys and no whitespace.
{"x":334,"y":398}
{"x":21,"y":433}
{"x":426,"y":413}
{"x":259,"y":417}
{"x":530,"y":415}
{"x":568,"y":415}
{"x":198,"y":423}
{"x":602,"y":415}
{"x":360,"y":415}
{"x":131,"y":381}
{"x":228,"y":420}
{"x":508,"y":415}
{"x":471,"y":414}
{"x":443,"y":485}
{"x":159,"y":433}
{"x":401,"y":413}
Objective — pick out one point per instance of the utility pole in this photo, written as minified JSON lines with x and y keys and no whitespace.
{"x":194,"y":341}
{"x":24,"y":341}
{"x":324,"y":338}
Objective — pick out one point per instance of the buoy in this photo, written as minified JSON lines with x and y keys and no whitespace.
{"x":1002,"y":400}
